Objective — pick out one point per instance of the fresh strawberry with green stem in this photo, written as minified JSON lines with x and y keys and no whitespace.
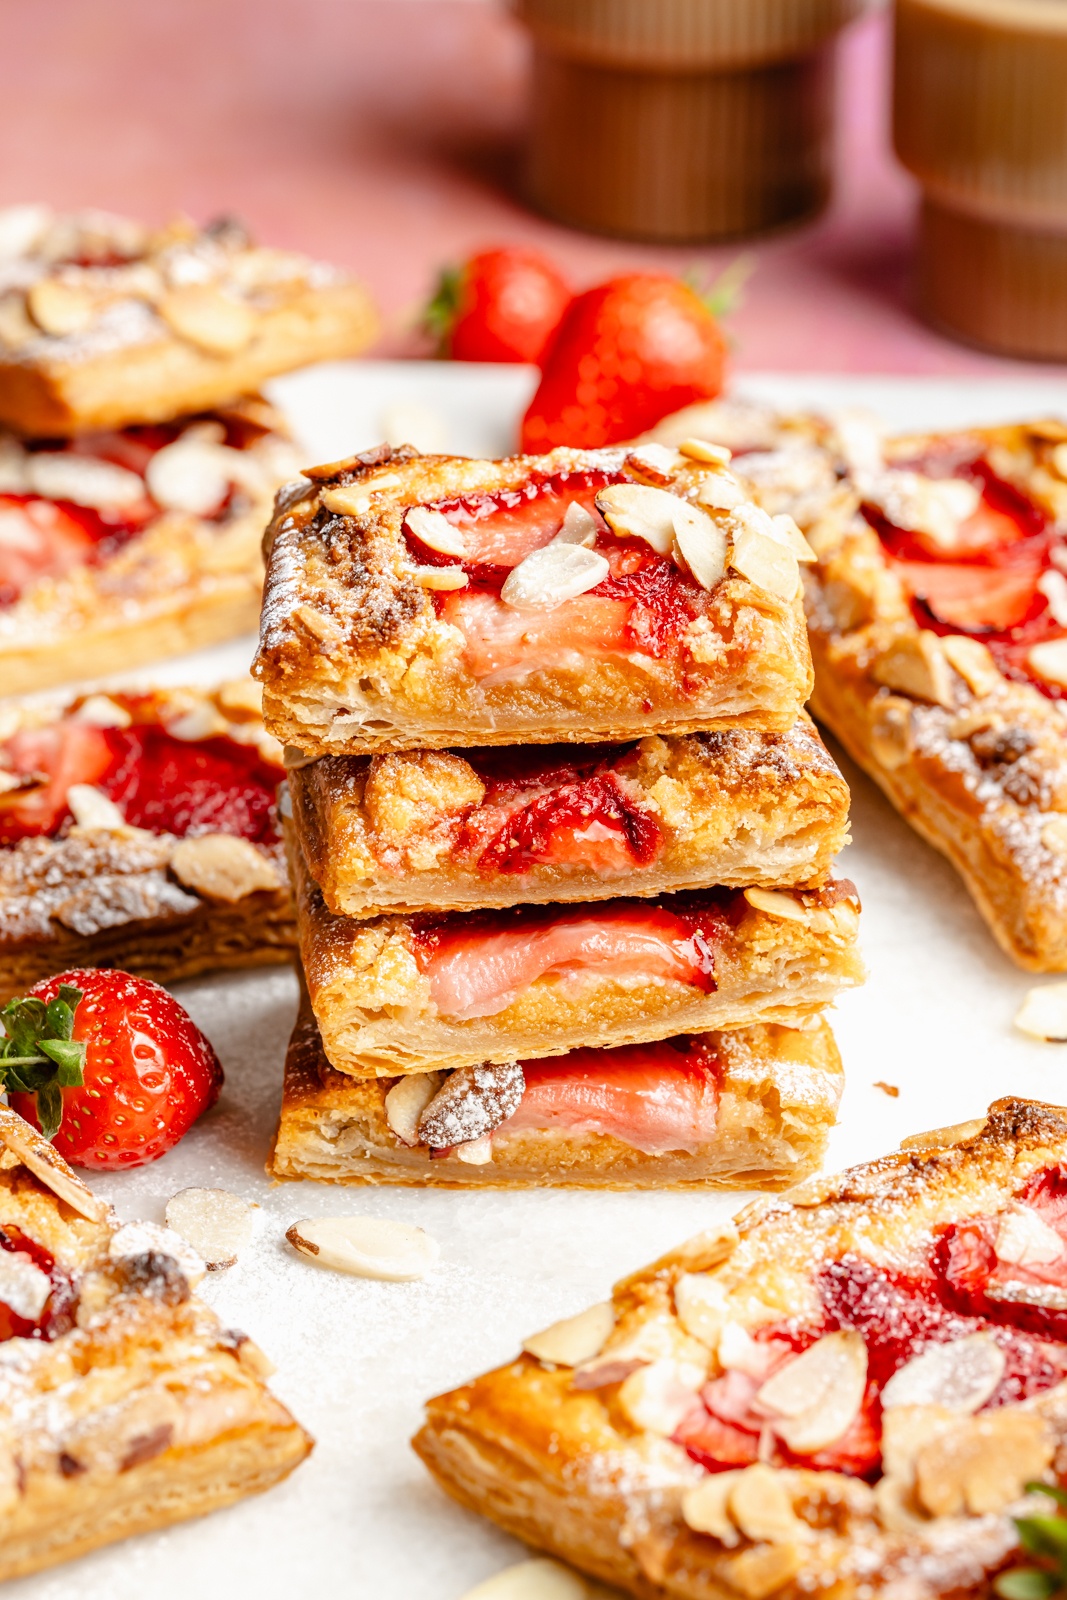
{"x":501,"y":305}
{"x":109,"y":1066}
{"x":626,"y":354}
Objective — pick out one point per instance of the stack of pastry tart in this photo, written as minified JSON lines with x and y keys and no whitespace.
{"x":560,"y":833}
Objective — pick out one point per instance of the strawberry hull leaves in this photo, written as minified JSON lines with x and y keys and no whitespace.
{"x":38,"y":1054}
{"x":1046,"y":1538}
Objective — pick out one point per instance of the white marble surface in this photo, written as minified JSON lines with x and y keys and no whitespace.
{"x":356,"y":1359}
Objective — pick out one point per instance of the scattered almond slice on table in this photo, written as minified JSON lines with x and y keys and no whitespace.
{"x":366,"y":1247}
{"x":1043,"y":1013}
{"x":217,"y":1224}
{"x":533,"y":1580}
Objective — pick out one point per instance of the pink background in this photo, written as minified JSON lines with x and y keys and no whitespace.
{"x":383,"y":134}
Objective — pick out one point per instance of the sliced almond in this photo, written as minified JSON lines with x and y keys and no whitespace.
{"x":983,"y":1464}
{"x":573,"y":1340}
{"x":407,"y":1100}
{"x":701,"y":544}
{"x":656,"y":461}
{"x":441,"y":578}
{"x":702,"y":450}
{"x":762,"y":1506}
{"x":1043,"y":1013}
{"x":776,"y":904}
{"x":100,"y":711}
{"x":201,"y":721}
{"x":579,"y":526}
{"x":553,"y":574}
{"x":217,"y":1224}
{"x":209,"y":318}
{"x":764,"y":1568}
{"x":84,"y":480}
{"x":91,"y":808}
{"x":1025,"y":1240}
{"x":700,"y":1302}
{"x":16,"y":329}
{"x":738,"y":1351}
{"x":60,"y":308}
{"x":531,"y":1580}
{"x":23,"y":1286}
{"x":221,"y":866}
{"x":635,"y":511}
{"x":814,"y":1398}
{"x":1053,"y":585}
{"x":788,"y":534}
{"x":706,"y":1509}
{"x":434,"y":530}
{"x":935,"y":1138}
{"x":1054,"y":835}
{"x":48,"y":1166}
{"x":475,"y":1152}
{"x":721,"y":493}
{"x":1049,"y":661}
{"x":135,"y":1239}
{"x":240,"y":698}
{"x":366,"y":1247}
{"x":190,"y":475}
{"x":974,"y":663}
{"x":958,"y":1376}
{"x":21,"y":227}
{"x":655,"y":1398}
{"x":349,"y":500}
{"x":916,"y":665}
{"x":765,"y":563}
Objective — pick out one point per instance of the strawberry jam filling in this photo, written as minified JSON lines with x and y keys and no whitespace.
{"x":643,"y":605}
{"x":987,"y":585}
{"x":555,"y":806}
{"x":159,"y":782}
{"x":57,"y":1314}
{"x":654,"y":1097}
{"x":965,"y":1288}
{"x":480,"y":962}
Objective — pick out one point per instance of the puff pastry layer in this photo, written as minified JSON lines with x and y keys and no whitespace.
{"x":963,"y":736}
{"x":465,"y":829}
{"x":396,"y":994}
{"x":124,"y":1403}
{"x":848,"y":1389}
{"x":143,"y":898}
{"x":377,"y":635}
{"x":776,"y":1094}
{"x":170,"y":563}
{"x":104,"y":322}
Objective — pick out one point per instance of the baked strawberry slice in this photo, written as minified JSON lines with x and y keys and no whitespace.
{"x":48,"y":761}
{"x":592,"y":824}
{"x":110,"y":1067}
{"x":971,"y":597}
{"x":38,"y":539}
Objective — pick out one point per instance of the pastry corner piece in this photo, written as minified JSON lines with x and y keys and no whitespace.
{"x":418,"y":602}
{"x":105,"y":321}
{"x":125,"y":1405}
{"x":751,"y":1107}
{"x":853,"y":1388}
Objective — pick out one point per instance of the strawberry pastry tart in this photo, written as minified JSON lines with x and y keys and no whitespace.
{"x":123,"y":546}
{"x":421,"y":602}
{"x":853,"y":1390}
{"x":104,"y":321}
{"x":751,"y":1107}
{"x":139,"y":830}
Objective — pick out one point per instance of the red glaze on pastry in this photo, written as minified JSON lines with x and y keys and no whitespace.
{"x":960,"y":1292}
{"x":558,"y":804}
{"x":644,"y":605}
{"x":57,"y":1317}
{"x":159,"y":782}
{"x":479,"y":963}
{"x":987,"y":587}
{"x":653,"y":1097}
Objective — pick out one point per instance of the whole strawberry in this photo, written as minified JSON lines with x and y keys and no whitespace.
{"x":501,"y":305}
{"x":626,"y":355}
{"x":110,"y":1067}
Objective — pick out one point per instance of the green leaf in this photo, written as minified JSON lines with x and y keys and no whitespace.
{"x":69,"y":1057}
{"x":1043,"y":1536}
{"x":49,"y":1109}
{"x":1025,"y":1583}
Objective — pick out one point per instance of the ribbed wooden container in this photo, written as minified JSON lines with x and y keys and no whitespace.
{"x":980,"y":118}
{"x":681,"y":120}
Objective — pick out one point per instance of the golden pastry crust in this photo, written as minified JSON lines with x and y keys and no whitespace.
{"x":582,"y":1464}
{"x":141,"y":1410}
{"x":357,"y":654}
{"x":181,"y":583}
{"x":777,"y":1101}
{"x":374,"y":1003}
{"x":104,"y":322}
{"x":974,"y":761}
{"x":429,"y":830}
{"x":95,"y":896}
